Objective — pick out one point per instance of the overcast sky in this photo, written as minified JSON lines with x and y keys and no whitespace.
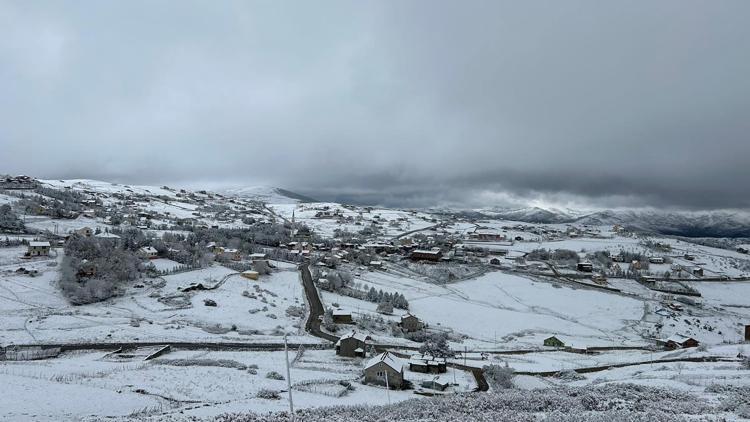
{"x":600,"y":103}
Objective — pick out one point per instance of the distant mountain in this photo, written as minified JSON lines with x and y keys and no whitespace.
{"x":268,"y":194}
{"x":720,"y":223}
{"x":679,"y":223}
{"x":533,"y":215}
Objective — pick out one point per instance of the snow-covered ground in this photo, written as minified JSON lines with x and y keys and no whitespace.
{"x":33,"y":310}
{"x":494,"y":312}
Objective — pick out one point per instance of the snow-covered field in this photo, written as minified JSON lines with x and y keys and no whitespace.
{"x":159,"y":386}
{"x":499,"y":310}
{"x":33,"y":310}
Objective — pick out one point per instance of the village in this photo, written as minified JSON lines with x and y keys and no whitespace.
{"x":155,"y":294}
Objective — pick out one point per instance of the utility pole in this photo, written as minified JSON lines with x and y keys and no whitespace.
{"x":387,"y":388}
{"x":288,"y":379}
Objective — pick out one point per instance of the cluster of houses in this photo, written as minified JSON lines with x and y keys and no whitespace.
{"x":386,"y":369}
{"x":18,"y":182}
{"x":676,"y":341}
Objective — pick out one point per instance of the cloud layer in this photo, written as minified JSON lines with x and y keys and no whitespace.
{"x":402,"y":103}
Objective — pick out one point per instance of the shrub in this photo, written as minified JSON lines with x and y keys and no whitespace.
{"x":499,"y":377}
{"x":268,"y":394}
{"x":273,"y":375}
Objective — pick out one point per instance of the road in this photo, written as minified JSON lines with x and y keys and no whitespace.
{"x":312,"y":325}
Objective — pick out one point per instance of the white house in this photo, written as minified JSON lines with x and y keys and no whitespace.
{"x":148,"y":252}
{"x":38,"y":249}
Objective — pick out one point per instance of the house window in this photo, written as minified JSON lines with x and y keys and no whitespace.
{"x":380,"y":374}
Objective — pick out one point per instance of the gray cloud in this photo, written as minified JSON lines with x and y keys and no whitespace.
{"x":402,"y":103}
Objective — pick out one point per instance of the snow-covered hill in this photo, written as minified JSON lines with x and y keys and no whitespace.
{"x":691,"y":224}
{"x":719,"y":223}
{"x":268,"y":194}
{"x":535,"y":214}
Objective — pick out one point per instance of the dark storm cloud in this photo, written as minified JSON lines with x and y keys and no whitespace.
{"x":402,"y":103}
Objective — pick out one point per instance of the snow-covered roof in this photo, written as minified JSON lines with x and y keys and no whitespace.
{"x":678,"y":338}
{"x":341,"y":312}
{"x":106,"y":235}
{"x":355,"y":335}
{"x":425,"y":251}
{"x":149,"y":249}
{"x":39,"y":244}
{"x":386,"y":358}
{"x":425,"y":359}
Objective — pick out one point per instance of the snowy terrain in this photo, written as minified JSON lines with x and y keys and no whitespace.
{"x":493,"y":314}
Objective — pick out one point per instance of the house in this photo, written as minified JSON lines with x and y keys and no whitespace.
{"x":252,"y":275}
{"x":425,"y":255}
{"x":410,"y":323}
{"x":698,"y":271}
{"x":648,"y":279}
{"x":352,"y":345}
{"x":494,"y":261}
{"x":341,"y":316}
{"x":84,"y":231}
{"x":565,"y":343}
{"x":656,"y":260}
{"x":214,"y":248}
{"x":616,"y":258}
{"x":689,"y":257}
{"x":148,"y":252}
{"x":38,"y":249}
{"x":599,"y":278}
{"x":435,"y":385}
{"x":385,"y":369}
{"x":87,"y":269}
{"x":678,"y":341}
{"x":585,"y":267}
{"x":376,"y":264}
{"x":553,"y":342}
{"x":232,"y":254}
{"x":745,"y":248}
{"x":258,"y":256}
{"x":486,"y":235}
{"x":427,"y":364}
{"x":107,"y":235}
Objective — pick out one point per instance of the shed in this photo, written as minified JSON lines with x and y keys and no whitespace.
{"x":585,"y":267}
{"x":341,"y":316}
{"x":252,"y":275}
{"x":427,"y":363}
{"x":553,"y":342}
{"x":435,"y":385}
